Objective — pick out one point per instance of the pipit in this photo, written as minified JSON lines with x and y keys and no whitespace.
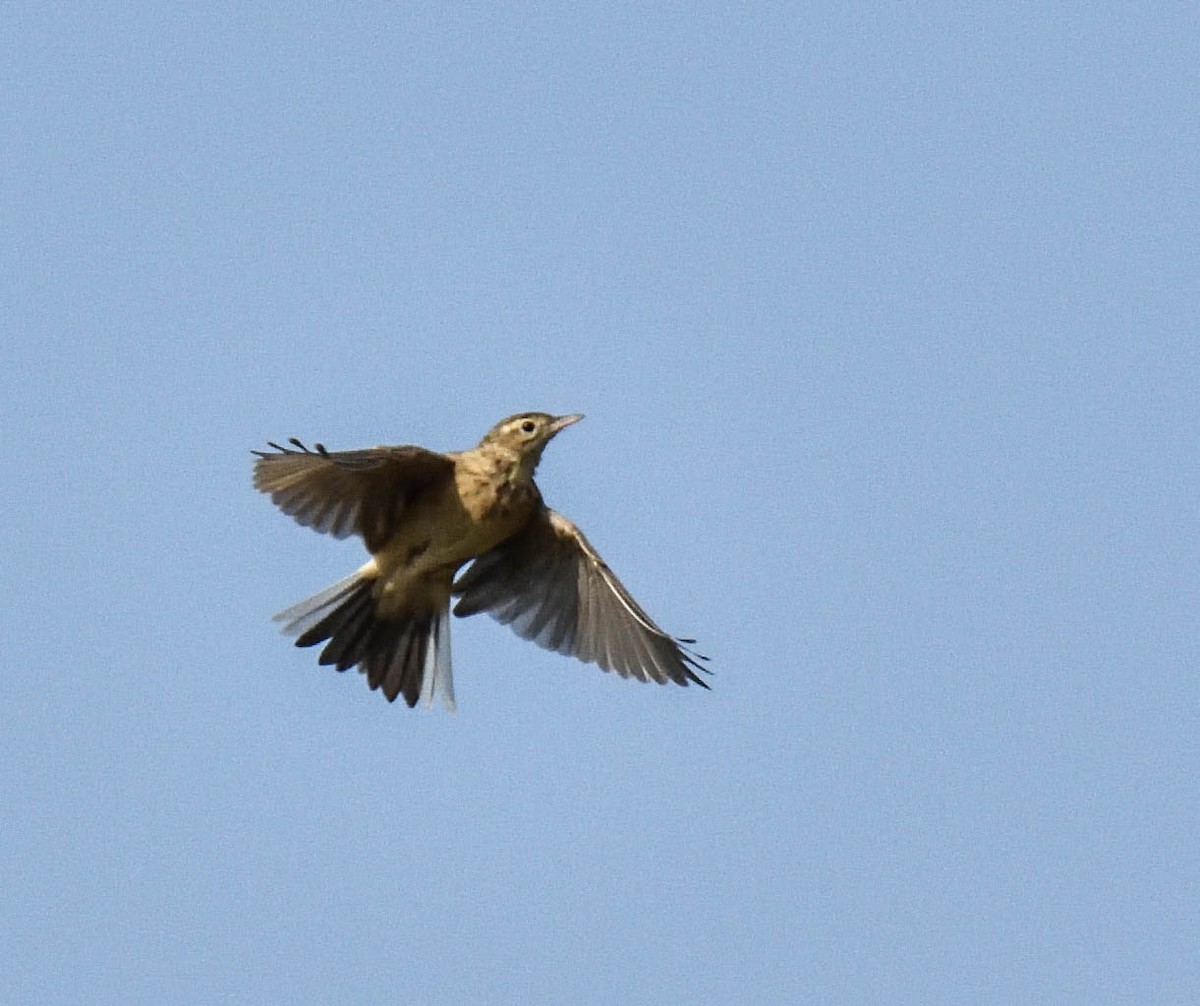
{"x":422,"y":516}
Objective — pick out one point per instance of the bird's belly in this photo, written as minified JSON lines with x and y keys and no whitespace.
{"x":417,"y":566}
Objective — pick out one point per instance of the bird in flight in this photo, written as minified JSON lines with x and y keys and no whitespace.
{"x":422,"y":516}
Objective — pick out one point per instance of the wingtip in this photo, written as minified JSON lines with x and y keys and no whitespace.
{"x":690,"y":668}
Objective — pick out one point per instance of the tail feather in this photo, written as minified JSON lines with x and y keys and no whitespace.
{"x":396,"y":662}
{"x":437,"y":668}
{"x":404,"y":656}
{"x":304,"y":614}
{"x":350,"y":630}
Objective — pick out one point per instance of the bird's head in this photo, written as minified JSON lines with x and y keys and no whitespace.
{"x":526,"y":435}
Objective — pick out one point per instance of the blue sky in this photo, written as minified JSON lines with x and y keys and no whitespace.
{"x":884,"y":322}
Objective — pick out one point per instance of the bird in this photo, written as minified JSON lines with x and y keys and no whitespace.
{"x":422,"y":516}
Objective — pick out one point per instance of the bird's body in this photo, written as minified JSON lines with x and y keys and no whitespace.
{"x":451,"y":523}
{"x":422,"y":516}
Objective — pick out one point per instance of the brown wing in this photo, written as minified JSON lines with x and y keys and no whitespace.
{"x":348,"y":492}
{"x":552,"y":587}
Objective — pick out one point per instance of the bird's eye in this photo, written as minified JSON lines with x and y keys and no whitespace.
{"x":528,"y":426}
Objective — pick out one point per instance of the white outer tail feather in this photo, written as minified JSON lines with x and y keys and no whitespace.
{"x":437,"y":679}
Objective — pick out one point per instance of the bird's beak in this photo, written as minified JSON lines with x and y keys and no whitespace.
{"x":562,"y":422}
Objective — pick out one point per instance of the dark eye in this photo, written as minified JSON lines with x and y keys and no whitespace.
{"x":528,"y":426}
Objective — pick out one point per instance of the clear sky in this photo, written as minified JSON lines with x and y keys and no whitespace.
{"x":884,"y":320}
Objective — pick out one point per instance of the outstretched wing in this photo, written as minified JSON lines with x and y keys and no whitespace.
{"x":552,"y":587}
{"x":348,"y":492}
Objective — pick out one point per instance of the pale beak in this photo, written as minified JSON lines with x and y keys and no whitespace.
{"x":562,"y":422}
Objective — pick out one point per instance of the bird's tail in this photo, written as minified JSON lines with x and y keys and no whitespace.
{"x":407,"y":656}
